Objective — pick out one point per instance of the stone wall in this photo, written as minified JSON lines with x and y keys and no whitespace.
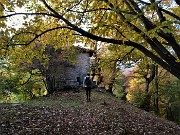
{"x":71,"y":75}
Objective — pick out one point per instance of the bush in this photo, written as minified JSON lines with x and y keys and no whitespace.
{"x":136,"y":97}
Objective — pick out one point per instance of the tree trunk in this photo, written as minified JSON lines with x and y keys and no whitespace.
{"x":149,"y":79}
{"x":169,"y":112}
{"x":110,"y":89}
{"x":50,"y":84}
{"x":146,"y":103}
{"x":147,"y":99}
{"x":156,"y":96}
{"x":113,"y":78}
{"x":124,"y":93}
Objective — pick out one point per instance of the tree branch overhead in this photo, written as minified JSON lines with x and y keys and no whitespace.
{"x":124,"y":23}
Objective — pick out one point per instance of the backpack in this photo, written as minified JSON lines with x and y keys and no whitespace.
{"x":88,"y":81}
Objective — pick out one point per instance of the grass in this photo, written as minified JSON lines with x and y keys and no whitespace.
{"x":72,"y":100}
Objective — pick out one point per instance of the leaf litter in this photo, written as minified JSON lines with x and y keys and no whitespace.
{"x":68,"y":113}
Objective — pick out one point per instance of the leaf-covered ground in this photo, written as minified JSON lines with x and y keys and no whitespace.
{"x":69,"y":114}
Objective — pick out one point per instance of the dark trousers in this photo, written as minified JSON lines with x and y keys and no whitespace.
{"x":88,"y":93}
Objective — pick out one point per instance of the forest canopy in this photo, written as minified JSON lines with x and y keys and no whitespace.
{"x":151,"y":27}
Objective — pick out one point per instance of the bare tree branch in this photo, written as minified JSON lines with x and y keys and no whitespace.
{"x":128,"y":53}
{"x":165,"y":11}
{"x":38,"y":35}
{"x":16,"y":14}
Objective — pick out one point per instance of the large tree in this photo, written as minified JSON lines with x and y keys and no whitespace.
{"x":152,"y":27}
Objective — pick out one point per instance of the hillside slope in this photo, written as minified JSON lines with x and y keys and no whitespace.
{"x":69,"y":114}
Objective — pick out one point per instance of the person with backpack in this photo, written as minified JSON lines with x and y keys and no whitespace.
{"x":87,"y":84}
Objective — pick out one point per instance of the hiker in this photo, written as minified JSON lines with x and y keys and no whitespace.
{"x":87,"y":84}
